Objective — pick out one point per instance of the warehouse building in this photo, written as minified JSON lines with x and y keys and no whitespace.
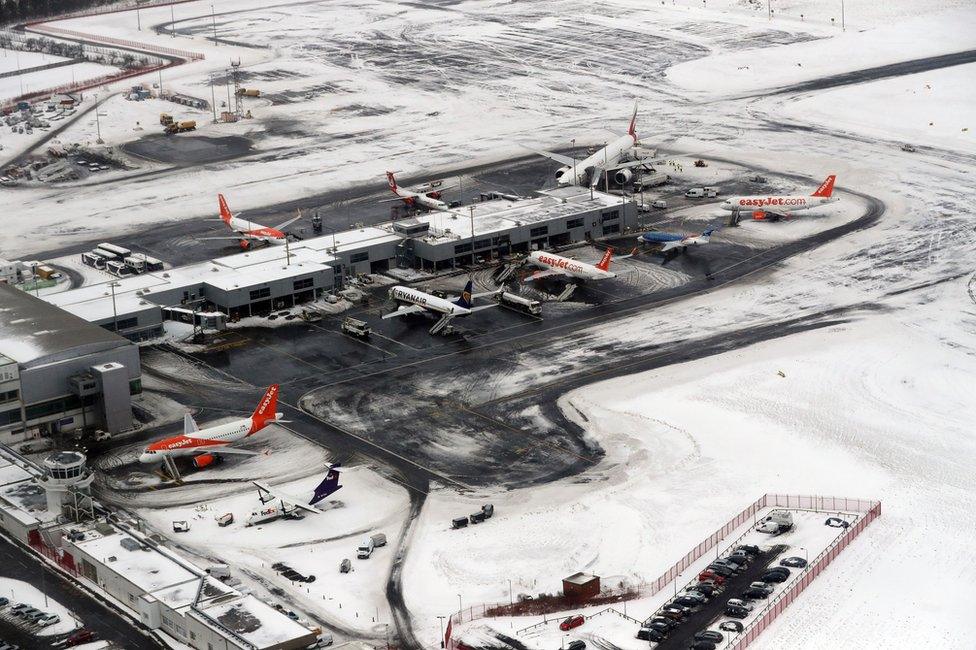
{"x":263,"y":280}
{"x":59,"y":372}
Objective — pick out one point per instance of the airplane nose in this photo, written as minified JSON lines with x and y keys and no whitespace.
{"x":146,"y":458}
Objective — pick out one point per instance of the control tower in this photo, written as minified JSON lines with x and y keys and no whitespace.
{"x":66,"y":482}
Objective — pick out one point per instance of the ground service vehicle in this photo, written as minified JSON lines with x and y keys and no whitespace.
{"x":365,"y":548}
{"x":695,"y":193}
{"x":180,"y":127}
{"x":775,"y":523}
{"x":355,"y":327}
{"x":379,"y":539}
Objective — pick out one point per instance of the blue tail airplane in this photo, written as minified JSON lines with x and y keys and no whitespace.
{"x":328,"y":485}
{"x":669,"y":241}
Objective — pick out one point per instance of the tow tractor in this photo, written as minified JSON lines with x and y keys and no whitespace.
{"x":355,"y":327}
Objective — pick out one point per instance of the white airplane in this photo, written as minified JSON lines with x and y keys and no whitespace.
{"x":670,"y":241}
{"x":427,"y":197}
{"x":414,"y":301}
{"x":284,"y":505}
{"x":618,"y":156}
{"x":553,"y":265}
{"x":205,"y":445}
{"x":248,"y":231}
{"x":774,"y":208}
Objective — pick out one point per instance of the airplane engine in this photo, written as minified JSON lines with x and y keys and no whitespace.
{"x":759,"y":215}
{"x":245,"y":244}
{"x":564,"y":174}
{"x":203,"y":460}
{"x":622,"y":176}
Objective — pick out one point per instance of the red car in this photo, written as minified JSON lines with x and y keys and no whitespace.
{"x":571,"y":622}
{"x":714,"y":577}
{"x":79,"y":637}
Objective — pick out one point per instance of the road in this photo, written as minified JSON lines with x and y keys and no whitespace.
{"x":19,"y":564}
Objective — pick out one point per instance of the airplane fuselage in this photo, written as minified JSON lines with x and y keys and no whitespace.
{"x":571,"y":267}
{"x":410,"y":296}
{"x":254,"y":231}
{"x":776,"y":203}
{"x":615,"y":151}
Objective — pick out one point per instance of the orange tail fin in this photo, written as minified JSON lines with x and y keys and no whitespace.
{"x":826,"y":188}
{"x":265,"y":411}
{"x":225,"y":214}
{"x":604,"y":264}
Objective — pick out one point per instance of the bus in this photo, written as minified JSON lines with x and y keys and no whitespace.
{"x":94,"y":259}
{"x":117,"y":251}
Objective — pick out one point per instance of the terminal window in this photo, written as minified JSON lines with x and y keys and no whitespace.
{"x":574,"y":223}
{"x":610,"y":216}
{"x":539,"y":232}
{"x":9,"y":395}
{"x":304,"y":283}
{"x":462,"y":248}
{"x":359,"y":257}
{"x":257,"y":294}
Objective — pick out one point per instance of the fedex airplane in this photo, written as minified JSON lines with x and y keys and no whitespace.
{"x":670,"y":241}
{"x":206,"y":444}
{"x":618,"y":156}
{"x":249,"y":232}
{"x":414,"y":301}
{"x":774,"y":208}
{"x":284,"y":505}
{"x":428,"y":199}
{"x":553,"y":265}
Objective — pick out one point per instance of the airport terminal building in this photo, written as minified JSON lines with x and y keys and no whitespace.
{"x":263,"y":280}
{"x":59,"y":372}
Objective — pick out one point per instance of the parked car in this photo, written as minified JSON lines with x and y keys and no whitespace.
{"x":697,"y":595}
{"x":687,"y":601}
{"x":761,"y":585}
{"x":48,"y":619}
{"x":25,"y":612}
{"x":662,"y":624}
{"x":571,"y":622}
{"x":710,"y":575}
{"x":459,"y":522}
{"x":721,"y":570}
{"x":709,"y":635}
{"x":4,"y":601}
{"x":731,"y":564}
{"x":731,"y":626}
{"x":755,"y":594}
{"x":836,"y":522}
{"x":738,"y":560}
{"x":737,"y":602}
{"x":576,"y":645}
{"x":797,"y":562}
{"x":650,"y":634}
{"x":703,"y":645}
{"x":34,"y":616}
{"x":673,"y":614}
{"x":773,"y":577}
{"x":19,"y":607}
{"x":345,"y":566}
{"x":735,"y":611}
{"x":748,"y":548}
{"x":707,"y":588}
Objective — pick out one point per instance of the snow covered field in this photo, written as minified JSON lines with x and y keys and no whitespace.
{"x":43,"y":79}
{"x":13,"y":60}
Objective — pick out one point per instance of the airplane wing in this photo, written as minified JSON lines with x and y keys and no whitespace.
{"x":562,"y":160}
{"x":231,"y":450}
{"x":630,"y":163}
{"x":403,"y":311}
{"x":237,"y":238}
{"x":677,"y":243}
{"x":485,"y":293}
{"x":189,"y":424}
{"x":284,"y":498}
{"x":480,"y":307}
{"x":538,"y":275}
{"x":285,"y":224}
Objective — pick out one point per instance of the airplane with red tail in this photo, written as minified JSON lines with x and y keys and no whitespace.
{"x":552,"y":265}
{"x":774,"y":208}
{"x":206,"y":445}
{"x":247,"y":232}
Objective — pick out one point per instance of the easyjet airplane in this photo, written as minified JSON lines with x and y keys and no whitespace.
{"x":773,"y":208}
{"x":206,"y":444}
{"x":553,"y":265}
{"x":249,"y":232}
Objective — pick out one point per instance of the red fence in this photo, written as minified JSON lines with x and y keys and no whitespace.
{"x":783,"y":601}
{"x":792,"y":501}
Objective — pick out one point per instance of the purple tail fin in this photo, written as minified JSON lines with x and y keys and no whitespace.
{"x":328,"y":485}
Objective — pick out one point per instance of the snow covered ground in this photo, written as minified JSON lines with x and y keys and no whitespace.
{"x":22,"y":592}
{"x":43,"y":79}
{"x":13,"y":60}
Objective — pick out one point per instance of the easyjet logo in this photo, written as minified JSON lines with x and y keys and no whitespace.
{"x":267,"y":400}
{"x":773,"y":200}
{"x":560,"y":263}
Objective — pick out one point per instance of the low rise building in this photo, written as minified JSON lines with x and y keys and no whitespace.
{"x":59,"y":372}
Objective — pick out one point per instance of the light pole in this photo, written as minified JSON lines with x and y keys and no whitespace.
{"x":441,"y":620}
{"x":471,"y":210}
{"x":138,"y":18}
{"x":511,"y":599}
{"x":98,"y":125}
{"x":575,"y":177}
{"x":172,"y":22}
{"x":459,"y":605}
{"x":843,"y":24}
{"x":213,"y":22}
{"x":213,"y":99}
{"x":115,"y":313}
{"x":806,"y":555}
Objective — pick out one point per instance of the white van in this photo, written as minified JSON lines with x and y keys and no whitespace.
{"x":365,"y":548}
{"x":710,"y":192}
{"x":695,"y":193}
{"x":661,"y":204}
